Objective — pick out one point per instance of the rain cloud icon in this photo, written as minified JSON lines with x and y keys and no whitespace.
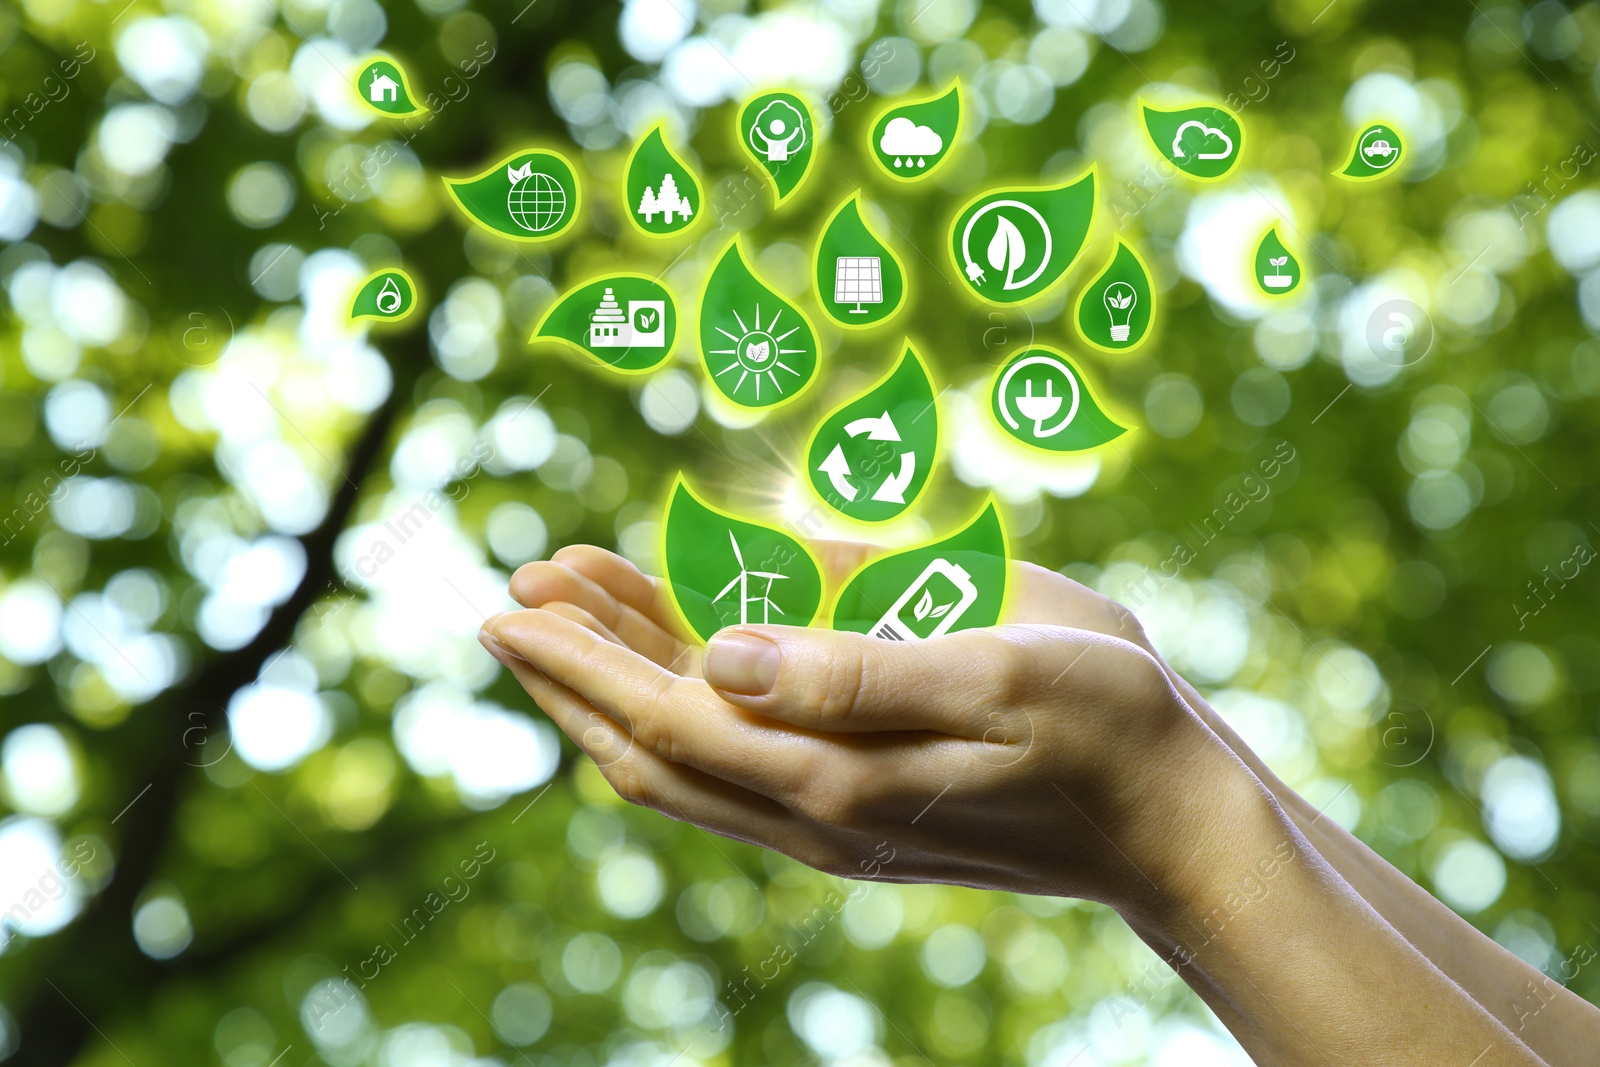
{"x":905,"y":141}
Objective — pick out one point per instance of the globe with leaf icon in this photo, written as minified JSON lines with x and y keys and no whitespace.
{"x":536,"y":201}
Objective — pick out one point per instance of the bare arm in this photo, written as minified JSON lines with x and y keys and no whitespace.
{"x":1165,"y":822}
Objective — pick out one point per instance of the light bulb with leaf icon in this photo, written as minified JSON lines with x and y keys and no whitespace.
{"x":1120,"y":300}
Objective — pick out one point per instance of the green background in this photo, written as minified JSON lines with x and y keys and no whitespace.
{"x":1360,"y":619}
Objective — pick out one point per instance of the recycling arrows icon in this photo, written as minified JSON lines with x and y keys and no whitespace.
{"x":837,"y":468}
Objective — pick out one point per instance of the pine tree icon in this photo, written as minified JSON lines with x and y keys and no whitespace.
{"x":647,"y":204}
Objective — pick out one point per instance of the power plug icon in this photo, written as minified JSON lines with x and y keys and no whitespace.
{"x":1039,"y":409}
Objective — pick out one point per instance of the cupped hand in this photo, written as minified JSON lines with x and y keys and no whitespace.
{"x":1036,"y":758}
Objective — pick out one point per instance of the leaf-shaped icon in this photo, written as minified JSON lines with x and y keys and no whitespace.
{"x":759,"y":350}
{"x":964,"y":573}
{"x":381,"y":85}
{"x":662,"y":193}
{"x":1277,"y":271}
{"x":723,"y":570}
{"x":530,"y":196}
{"x":387,"y":296}
{"x":1007,"y":246}
{"x":1123,"y":286}
{"x":911,"y":140}
{"x":860,"y":281}
{"x":1041,"y":399}
{"x":1377,"y":151}
{"x":626,"y":322}
{"x":1204,"y":142}
{"x":1013,"y":244}
{"x":870,"y":458}
{"x":778,"y":131}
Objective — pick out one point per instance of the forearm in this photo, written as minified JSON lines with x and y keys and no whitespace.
{"x":1302,"y":970}
{"x":1552,"y":1020}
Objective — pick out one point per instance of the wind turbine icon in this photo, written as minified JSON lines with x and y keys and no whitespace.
{"x":742,"y":583}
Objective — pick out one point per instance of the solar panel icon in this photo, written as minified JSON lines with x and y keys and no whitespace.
{"x":858,"y":280}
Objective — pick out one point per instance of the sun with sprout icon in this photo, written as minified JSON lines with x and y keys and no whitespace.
{"x":759,"y":350}
{"x":758,"y":353}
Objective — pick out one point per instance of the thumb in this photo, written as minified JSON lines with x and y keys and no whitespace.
{"x":850,"y":682}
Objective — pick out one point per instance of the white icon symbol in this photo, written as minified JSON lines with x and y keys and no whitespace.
{"x":389,"y":298}
{"x":382,"y":87}
{"x":935,"y":585}
{"x":535,"y":200}
{"x":1038,"y":409}
{"x":1207,"y":132}
{"x":1120,"y":300}
{"x":741,"y":582}
{"x":669,"y":203}
{"x":756,"y":350}
{"x":779,"y":131}
{"x":643,"y":326}
{"x":1379,"y":149}
{"x":858,"y":280}
{"x":837,"y":468}
{"x":905,"y":141}
{"x":1007,"y":249}
{"x":1278,"y":280}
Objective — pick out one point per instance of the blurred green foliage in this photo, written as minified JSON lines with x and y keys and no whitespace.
{"x":1378,"y":613}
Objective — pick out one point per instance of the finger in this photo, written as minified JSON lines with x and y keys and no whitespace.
{"x":540,"y":584}
{"x":827,"y":680}
{"x":582,"y":618}
{"x":679,"y":719}
{"x":677,"y":791}
{"x":1039,"y":595}
{"x":643,"y":593}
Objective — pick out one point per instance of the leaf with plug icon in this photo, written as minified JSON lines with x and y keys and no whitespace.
{"x":1117,"y":309}
{"x":1042,"y":400}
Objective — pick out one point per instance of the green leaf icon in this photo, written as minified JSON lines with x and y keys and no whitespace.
{"x":859,"y":281}
{"x":387,"y":296}
{"x":955,"y":584}
{"x":759,"y":349}
{"x":1115,"y":311}
{"x":663,"y":193}
{"x":1013,"y":244}
{"x":1041,"y":399}
{"x":627,"y":322}
{"x":910,"y":140}
{"x":1277,"y":271}
{"x":727,"y":571}
{"x":1203,"y":142}
{"x":1377,"y":151}
{"x":871,"y":457}
{"x":778,"y":131}
{"x":530,"y":196}
{"x":382,"y":86}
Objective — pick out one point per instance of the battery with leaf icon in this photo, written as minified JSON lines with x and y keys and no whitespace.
{"x":931,"y":605}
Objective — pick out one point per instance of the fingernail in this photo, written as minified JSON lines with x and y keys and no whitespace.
{"x":499,"y":651}
{"x":742,"y":663}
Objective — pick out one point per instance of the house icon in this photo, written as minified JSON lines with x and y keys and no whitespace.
{"x":382,"y":85}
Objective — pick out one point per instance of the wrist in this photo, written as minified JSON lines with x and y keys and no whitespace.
{"x":1225,"y":843}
